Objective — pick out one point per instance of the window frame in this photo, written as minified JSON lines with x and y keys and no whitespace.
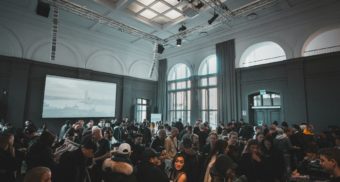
{"x":206,"y":89}
{"x":146,"y":104}
{"x":172,"y":94}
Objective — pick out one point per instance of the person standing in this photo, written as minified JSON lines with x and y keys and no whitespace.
{"x":73,"y":165}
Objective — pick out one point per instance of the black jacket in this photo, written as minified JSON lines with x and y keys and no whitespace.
{"x":7,"y":166}
{"x":151,"y":173}
{"x":72,"y":167}
{"x":40,"y":155}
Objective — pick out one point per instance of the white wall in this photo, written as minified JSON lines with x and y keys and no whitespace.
{"x":291,"y":29}
{"x":26,"y":35}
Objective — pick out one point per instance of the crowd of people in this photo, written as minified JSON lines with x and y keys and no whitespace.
{"x":114,"y":151}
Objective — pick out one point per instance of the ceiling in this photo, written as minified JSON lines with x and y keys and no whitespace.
{"x":159,"y":20}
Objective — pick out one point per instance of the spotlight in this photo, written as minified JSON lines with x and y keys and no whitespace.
{"x":182,"y":28}
{"x":160,"y":48}
{"x":212,"y":19}
{"x":179,"y":42}
{"x":43,"y":9}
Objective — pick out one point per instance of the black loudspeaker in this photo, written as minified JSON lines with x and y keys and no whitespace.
{"x":43,"y":9}
{"x":160,"y":49}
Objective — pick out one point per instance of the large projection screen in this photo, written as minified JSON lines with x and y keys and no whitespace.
{"x":76,"y":98}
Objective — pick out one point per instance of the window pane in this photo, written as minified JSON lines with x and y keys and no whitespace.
{"x":179,"y":71}
{"x":181,"y":85}
{"x":262,"y":53}
{"x":276,"y":100}
{"x":204,"y":82}
{"x":213,"y":119}
{"x":144,"y":101}
{"x":144,"y":108}
{"x":204,"y":70}
{"x":143,"y":115}
{"x":213,"y":98}
{"x":212,"y":81}
{"x":208,"y":66}
{"x":257,"y":100}
{"x":204,"y":99}
{"x":189,"y":84}
{"x":204,"y":116}
{"x":139,"y":101}
{"x":188,"y":117}
{"x":172,"y":101}
{"x":212,"y":65}
{"x":172,"y":115}
{"x":179,"y":101}
{"x":179,"y":115}
{"x":189,"y":100}
{"x":266,"y":100}
{"x":139,"y":116}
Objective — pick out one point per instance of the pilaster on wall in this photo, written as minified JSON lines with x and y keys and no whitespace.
{"x":17,"y":93}
{"x":296,"y":92}
{"x":162,"y":89}
{"x":225,"y":53}
{"x":195,"y":100}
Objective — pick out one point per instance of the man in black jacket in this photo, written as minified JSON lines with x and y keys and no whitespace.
{"x":149,"y":169}
{"x":73,"y":165}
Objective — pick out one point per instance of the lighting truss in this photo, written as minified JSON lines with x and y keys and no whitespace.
{"x":225,"y":16}
{"x":92,"y":15}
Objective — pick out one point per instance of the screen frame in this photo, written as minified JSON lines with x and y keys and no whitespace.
{"x":78,"y":117}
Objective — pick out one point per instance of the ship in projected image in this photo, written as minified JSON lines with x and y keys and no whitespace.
{"x":86,"y":100}
{"x":55,"y":106}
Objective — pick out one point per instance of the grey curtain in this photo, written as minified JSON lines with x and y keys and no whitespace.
{"x":162,"y":88}
{"x":225,"y":52}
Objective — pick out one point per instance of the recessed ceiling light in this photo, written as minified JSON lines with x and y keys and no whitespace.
{"x":173,"y":14}
{"x":203,"y":34}
{"x":146,"y":2}
{"x":148,"y":14}
{"x":251,"y":16}
{"x":135,"y":7}
{"x":160,"y":7}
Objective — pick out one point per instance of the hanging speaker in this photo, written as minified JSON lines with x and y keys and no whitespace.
{"x":160,"y":48}
{"x":43,"y":9}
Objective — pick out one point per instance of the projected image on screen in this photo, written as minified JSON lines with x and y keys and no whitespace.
{"x":75,"y":98}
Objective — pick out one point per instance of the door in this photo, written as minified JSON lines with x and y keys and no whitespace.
{"x":266,"y":116}
{"x":264,"y":108}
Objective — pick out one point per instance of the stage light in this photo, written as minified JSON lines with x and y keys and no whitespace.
{"x":179,"y":42}
{"x":182,"y":28}
{"x":212,"y":19}
{"x":160,"y":48}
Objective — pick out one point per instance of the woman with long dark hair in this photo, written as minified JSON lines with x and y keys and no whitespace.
{"x":177,"y":173}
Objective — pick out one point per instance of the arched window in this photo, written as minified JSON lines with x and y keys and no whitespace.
{"x":208,"y":90}
{"x":321,"y":43}
{"x":179,"y":94}
{"x":262,"y":53}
